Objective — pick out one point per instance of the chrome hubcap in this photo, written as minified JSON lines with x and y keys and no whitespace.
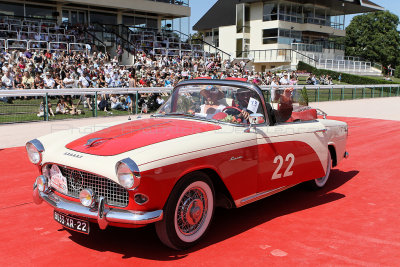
{"x":192,"y":210}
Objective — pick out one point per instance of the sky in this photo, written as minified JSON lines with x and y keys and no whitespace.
{"x":200,"y":7}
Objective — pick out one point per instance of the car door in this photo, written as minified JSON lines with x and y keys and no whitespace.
{"x":290,"y":153}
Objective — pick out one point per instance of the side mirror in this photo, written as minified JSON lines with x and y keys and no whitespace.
{"x":254,"y":119}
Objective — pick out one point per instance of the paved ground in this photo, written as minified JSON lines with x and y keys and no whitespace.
{"x":353,"y":221}
{"x":13,"y":135}
{"x":387,"y":108}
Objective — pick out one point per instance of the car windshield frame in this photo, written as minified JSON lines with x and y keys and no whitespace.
{"x":220,"y":84}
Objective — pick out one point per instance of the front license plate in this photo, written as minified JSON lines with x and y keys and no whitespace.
{"x":72,"y":223}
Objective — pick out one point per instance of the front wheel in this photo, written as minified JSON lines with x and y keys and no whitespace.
{"x":188,"y":212}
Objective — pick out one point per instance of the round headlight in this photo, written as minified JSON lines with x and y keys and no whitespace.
{"x":86,"y":196}
{"x":33,"y":153}
{"x":34,"y":148}
{"x":128,"y":174}
{"x":41,"y":183}
{"x":125,"y":176}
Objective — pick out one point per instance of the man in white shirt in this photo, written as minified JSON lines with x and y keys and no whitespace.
{"x":49,"y":82}
{"x":68,"y":81}
{"x":284,"y":80}
{"x":7,"y":81}
{"x":5,"y":67}
{"x":83,"y":82}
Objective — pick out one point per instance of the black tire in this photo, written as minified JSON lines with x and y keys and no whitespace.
{"x":321,"y":182}
{"x":181,"y":228}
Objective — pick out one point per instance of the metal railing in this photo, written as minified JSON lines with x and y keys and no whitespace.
{"x":41,"y":104}
{"x":26,"y":103}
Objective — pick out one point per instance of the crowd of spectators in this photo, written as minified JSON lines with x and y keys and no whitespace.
{"x":41,"y":69}
{"x":322,"y":80}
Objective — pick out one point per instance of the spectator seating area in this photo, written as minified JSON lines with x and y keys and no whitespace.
{"x":17,"y":33}
{"x":165,"y":44}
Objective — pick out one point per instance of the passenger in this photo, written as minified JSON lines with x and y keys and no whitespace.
{"x":285,"y":104}
{"x":212,"y":105}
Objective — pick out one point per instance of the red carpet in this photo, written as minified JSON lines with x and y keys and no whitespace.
{"x":354,"y":221}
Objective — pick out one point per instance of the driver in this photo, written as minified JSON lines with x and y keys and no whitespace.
{"x":241,"y":103}
{"x":212,"y":106}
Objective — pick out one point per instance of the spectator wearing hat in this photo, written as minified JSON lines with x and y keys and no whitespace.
{"x":49,"y":82}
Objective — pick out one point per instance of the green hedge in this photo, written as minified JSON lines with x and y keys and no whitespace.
{"x":346,"y":78}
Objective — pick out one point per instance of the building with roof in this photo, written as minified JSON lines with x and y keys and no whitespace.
{"x":154,"y":14}
{"x":280,"y":33}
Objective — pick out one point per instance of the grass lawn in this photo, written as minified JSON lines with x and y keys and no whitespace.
{"x":26,"y":110}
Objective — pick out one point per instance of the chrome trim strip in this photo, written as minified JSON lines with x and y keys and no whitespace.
{"x":249,"y":199}
{"x":109,"y":215}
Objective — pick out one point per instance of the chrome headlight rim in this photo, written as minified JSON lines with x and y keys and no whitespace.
{"x":130,"y":165}
{"x":35,"y":145}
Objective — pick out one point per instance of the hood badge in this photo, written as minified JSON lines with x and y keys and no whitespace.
{"x":93,"y":141}
{"x":73,"y":155}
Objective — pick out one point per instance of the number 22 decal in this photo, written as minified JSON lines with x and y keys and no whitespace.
{"x":288,"y":172}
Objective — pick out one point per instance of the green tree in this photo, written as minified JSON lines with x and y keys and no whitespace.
{"x":197,"y":35}
{"x":374,"y":37}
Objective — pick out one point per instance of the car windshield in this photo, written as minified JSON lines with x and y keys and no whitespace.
{"x":213,"y":102}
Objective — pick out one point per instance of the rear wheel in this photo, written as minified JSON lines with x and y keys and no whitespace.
{"x":188,"y":212}
{"x":320,"y":182}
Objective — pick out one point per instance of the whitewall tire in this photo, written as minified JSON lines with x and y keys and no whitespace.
{"x":188,"y":212}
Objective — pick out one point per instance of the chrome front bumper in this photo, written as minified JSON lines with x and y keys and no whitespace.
{"x":102,"y":214}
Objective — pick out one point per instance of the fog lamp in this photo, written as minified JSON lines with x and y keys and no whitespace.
{"x":141,"y":199}
{"x":86,"y":196}
{"x":41,"y":183}
{"x":46,"y":171}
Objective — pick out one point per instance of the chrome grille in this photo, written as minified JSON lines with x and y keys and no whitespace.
{"x":115,"y":194}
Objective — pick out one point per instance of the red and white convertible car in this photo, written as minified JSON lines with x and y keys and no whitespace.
{"x":212,"y":143}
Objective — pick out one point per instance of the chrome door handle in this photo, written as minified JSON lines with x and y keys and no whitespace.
{"x":321,"y":131}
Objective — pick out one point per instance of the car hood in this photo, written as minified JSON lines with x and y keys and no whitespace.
{"x":136,"y":134}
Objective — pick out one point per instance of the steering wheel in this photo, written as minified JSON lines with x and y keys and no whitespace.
{"x":232,"y":107}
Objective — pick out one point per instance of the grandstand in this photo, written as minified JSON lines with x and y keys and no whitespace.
{"x":156,"y":27}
